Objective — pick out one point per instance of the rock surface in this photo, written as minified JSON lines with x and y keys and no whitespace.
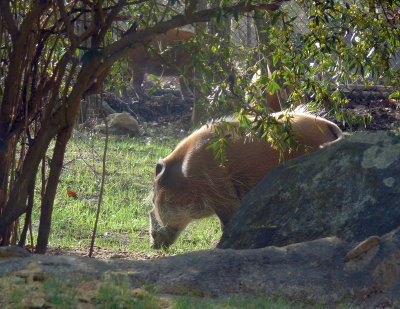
{"x":312,"y":272}
{"x":350,"y":190}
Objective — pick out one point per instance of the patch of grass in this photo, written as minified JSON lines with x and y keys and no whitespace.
{"x":58,"y":295}
{"x":52,"y":293}
{"x":247,"y":302}
{"x":126,"y":201}
{"x":15,"y":297}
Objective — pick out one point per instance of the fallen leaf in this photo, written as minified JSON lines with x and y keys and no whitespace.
{"x":72,"y":193}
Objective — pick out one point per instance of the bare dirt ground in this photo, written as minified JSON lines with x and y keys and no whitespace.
{"x":385,"y":112}
{"x":104,"y":253}
{"x":166,"y":108}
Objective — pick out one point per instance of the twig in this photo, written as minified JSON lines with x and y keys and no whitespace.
{"x":102,"y":177}
{"x":28,"y":216}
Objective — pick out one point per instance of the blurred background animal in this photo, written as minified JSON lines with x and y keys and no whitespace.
{"x":169,"y":58}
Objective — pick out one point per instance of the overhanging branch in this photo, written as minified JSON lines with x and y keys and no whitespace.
{"x":122,"y":47}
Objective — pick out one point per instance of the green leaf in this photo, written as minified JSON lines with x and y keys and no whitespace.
{"x":153,"y":89}
{"x":261,"y":132}
{"x":154,"y":77}
{"x":395,"y":94}
{"x":275,"y":18}
{"x":273,"y":86}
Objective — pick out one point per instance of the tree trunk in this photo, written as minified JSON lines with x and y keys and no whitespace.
{"x":16,"y":204}
{"x":200,"y":113}
{"x":5,"y":164}
{"x":262,"y":20}
{"x":51,"y":189}
{"x":198,"y":110}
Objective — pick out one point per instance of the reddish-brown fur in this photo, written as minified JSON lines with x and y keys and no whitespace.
{"x":189,"y":184}
{"x":171,"y":62}
{"x":273,"y":102}
{"x":272,"y":98}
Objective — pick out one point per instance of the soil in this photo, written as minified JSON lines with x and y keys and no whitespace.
{"x":384,"y":112}
{"x":104,"y":253}
{"x":165,"y":108}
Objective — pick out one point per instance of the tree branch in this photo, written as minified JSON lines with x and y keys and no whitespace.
{"x":67,"y":23}
{"x":111,"y":18}
{"x":51,"y":189}
{"x":122,"y":47}
{"x":9,"y":20}
{"x":18,"y":55}
{"x":134,"y":39}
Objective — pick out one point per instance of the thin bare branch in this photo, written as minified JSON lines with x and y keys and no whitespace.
{"x":111,"y":18}
{"x":103,"y":177}
{"x":67,"y":23}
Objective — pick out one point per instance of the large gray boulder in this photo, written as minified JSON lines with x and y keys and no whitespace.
{"x":350,"y":190}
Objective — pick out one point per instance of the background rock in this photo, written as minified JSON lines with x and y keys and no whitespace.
{"x":120,"y":124}
{"x":350,"y":190}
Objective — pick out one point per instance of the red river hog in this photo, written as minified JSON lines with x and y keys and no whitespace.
{"x":189,"y":184}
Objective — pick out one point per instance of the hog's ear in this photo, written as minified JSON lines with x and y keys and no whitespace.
{"x":160,"y":168}
{"x":169,"y":175}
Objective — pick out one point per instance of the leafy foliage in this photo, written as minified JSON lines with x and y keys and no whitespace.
{"x":344,"y":43}
{"x":341,"y":44}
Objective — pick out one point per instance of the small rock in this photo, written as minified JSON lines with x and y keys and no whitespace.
{"x":120,"y":124}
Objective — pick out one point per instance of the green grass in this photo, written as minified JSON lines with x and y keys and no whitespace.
{"x":126,"y":201}
{"x":52,"y":293}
